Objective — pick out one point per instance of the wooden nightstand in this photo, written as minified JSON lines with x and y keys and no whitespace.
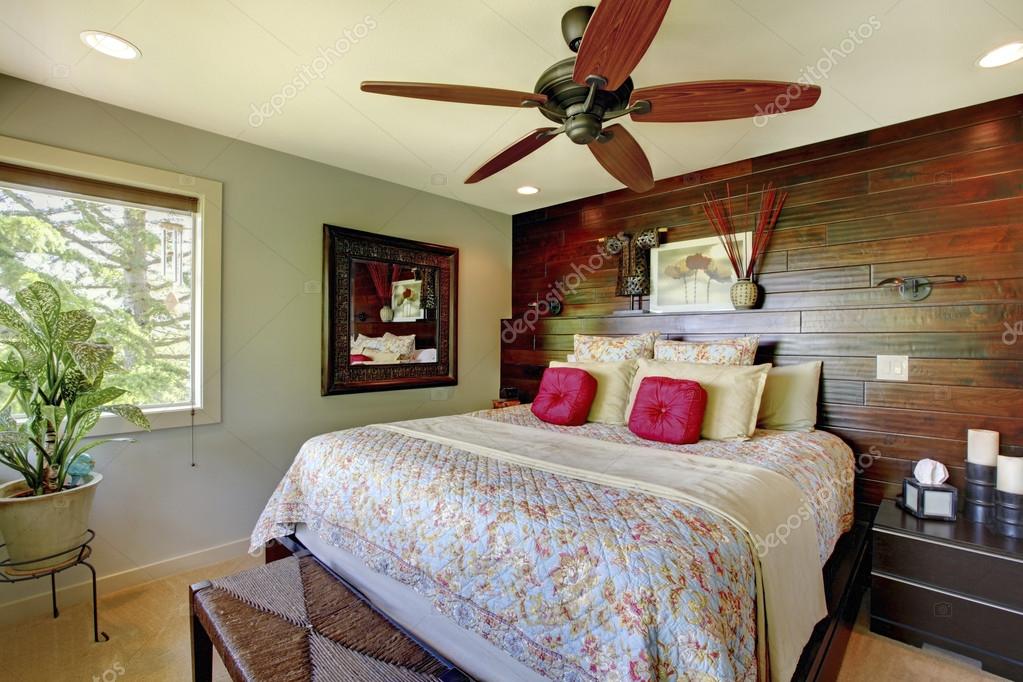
{"x":956,"y":585}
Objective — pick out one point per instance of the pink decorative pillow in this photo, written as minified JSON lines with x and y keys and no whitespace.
{"x":565,"y":396}
{"x":668,"y":410}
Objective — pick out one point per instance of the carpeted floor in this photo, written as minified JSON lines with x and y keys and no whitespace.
{"x":149,"y":641}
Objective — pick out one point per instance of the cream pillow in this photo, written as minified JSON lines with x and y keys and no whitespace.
{"x":733,"y":393}
{"x":402,"y":345}
{"x":363,"y":342}
{"x":790,"y":398}
{"x":388,"y":343}
{"x":614,"y":379}
{"x":381,"y":356}
{"x":614,"y":348}
{"x":739,"y":351}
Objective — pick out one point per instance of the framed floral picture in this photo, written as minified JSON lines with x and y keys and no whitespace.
{"x":407,"y":300}
{"x":693,"y":275}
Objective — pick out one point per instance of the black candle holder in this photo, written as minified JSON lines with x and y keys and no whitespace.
{"x":1009,"y":514}
{"x":980,"y":492}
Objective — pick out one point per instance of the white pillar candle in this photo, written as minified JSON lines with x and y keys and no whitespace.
{"x":1010,"y":474}
{"x":982,"y":447}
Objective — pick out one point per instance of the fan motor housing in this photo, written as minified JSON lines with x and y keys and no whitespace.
{"x":565,"y":99}
{"x":573,"y":25}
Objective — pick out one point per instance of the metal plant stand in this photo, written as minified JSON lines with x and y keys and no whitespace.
{"x":11,"y":573}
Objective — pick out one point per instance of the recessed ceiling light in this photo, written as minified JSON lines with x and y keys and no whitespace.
{"x":1000,"y":56}
{"x":528,"y":189}
{"x":110,"y":45}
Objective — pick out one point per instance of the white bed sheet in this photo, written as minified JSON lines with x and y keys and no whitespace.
{"x":472,"y":654}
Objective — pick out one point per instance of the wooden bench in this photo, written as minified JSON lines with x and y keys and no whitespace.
{"x":293,"y":620}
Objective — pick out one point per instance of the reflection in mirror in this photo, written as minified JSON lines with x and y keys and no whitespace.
{"x":390,"y":313}
{"x":394,"y":313}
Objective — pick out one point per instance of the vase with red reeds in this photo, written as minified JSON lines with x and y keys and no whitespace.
{"x":729,"y":224}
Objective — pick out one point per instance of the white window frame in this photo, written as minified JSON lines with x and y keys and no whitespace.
{"x":206,"y":389}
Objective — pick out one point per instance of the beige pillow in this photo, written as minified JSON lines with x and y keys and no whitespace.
{"x":381,"y":356}
{"x":739,"y":351}
{"x":388,"y":343}
{"x":614,"y":348}
{"x":733,"y":393}
{"x":790,"y":398}
{"x":614,"y":379}
{"x":402,"y":345}
{"x":362,"y":342}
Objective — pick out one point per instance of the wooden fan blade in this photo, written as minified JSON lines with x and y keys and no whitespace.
{"x":722,"y":100}
{"x":467,"y":94}
{"x":622,"y":157}
{"x":617,"y":37}
{"x":514,"y":152}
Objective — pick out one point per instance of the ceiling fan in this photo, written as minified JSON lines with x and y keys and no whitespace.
{"x":582,"y":93}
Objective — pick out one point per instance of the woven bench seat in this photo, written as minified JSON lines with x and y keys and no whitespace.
{"x":292,"y":620}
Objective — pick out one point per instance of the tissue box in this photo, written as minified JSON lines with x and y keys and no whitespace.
{"x":928,"y":501}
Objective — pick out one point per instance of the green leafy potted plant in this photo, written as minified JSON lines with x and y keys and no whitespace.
{"x":55,"y":372}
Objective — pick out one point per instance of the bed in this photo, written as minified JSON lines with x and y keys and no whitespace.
{"x":521,"y":550}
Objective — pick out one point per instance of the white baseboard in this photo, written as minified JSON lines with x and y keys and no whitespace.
{"x":38,"y":604}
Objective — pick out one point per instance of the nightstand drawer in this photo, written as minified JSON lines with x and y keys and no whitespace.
{"x":988,"y":577}
{"x":983,"y":626}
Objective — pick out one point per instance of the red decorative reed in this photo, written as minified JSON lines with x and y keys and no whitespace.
{"x":722,"y":218}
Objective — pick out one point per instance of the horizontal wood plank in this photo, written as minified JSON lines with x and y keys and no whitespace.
{"x":975,"y":268}
{"x":919,"y":422}
{"x":967,"y":293}
{"x":1005,"y":402}
{"x":978,"y":319}
{"x":969,"y":242}
{"x":739,"y":323}
{"x":841,"y":391}
{"x":913,"y":222}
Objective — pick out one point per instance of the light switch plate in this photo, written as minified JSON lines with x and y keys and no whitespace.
{"x":893,"y":367}
{"x":440,"y":394}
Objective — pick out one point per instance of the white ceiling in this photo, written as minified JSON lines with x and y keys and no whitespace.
{"x":207,"y":63}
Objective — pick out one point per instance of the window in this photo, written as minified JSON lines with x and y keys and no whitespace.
{"x":133,"y":257}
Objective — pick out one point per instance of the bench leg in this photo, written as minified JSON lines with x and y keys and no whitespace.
{"x":202,"y":647}
{"x":202,"y":653}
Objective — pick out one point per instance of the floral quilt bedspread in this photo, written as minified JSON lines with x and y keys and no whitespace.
{"x":818,"y":462}
{"x":576,"y":580}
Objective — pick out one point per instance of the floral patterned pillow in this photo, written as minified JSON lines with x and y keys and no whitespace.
{"x":388,"y":343}
{"x":739,"y":351}
{"x":614,"y":348}
{"x":402,"y":345}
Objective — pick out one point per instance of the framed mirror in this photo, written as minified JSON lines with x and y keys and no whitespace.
{"x":390,"y":308}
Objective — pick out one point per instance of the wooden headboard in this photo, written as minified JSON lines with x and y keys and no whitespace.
{"x":939,"y":195}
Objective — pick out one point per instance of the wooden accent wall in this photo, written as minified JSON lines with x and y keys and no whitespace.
{"x":938,"y":195}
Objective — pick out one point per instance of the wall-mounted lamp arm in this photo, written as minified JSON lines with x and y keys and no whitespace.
{"x":917,"y":287}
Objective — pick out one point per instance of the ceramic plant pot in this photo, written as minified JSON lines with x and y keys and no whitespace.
{"x":44,"y":525}
{"x":744,"y":294}
{"x":386,"y":314}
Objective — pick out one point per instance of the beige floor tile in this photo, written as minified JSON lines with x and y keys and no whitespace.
{"x":149,"y":642}
{"x":148,"y":627}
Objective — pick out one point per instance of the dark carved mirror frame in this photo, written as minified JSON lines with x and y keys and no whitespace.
{"x":342,"y":246}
